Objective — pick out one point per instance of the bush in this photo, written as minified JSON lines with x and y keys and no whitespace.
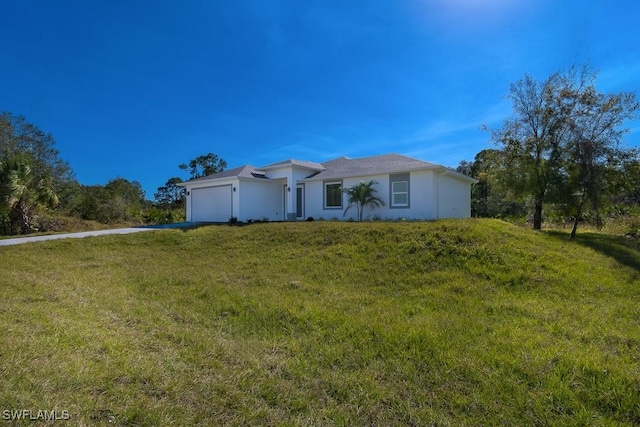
{"x":52,"y":223}
{"x":624,"y":225}
{"x":162,"y":216}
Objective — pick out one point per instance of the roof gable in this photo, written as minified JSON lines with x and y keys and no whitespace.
{"x":293,"y":162}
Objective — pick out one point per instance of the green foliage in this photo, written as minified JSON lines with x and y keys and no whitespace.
{"x":531,"y":140}
{"x":34,"y":175}
{"x":170,"y":196}
{"x":206,"y":164}
{"x":561,"y":145}
{"x":492,"y":196}
{"x":130,"y":191}
{"x":33,"y":178}
{"x":593,"y":159}
{"x":629,"y":182}
{"x":625,"y":224}
{"x":23,"y":193}
{"x":362,"y":195}
{"x":473,"y":322}
{"x":19,"y":138}
{"x":120,"y":200}
{"x":164,"y":216}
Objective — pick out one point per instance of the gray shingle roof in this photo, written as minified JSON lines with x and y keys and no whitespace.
{"x":344,"y":167}
{"x":246,"y":171}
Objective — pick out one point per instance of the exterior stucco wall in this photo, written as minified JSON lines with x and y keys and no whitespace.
{"x":422,"y":199}
{"x":259,"y":200}
{"x":423,"y":196}
{"x":313,"y":201}
{"x":291,"y":176}
{"x":454,"y":198}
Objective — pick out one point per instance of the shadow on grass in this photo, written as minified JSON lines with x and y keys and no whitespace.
{"x":183,"y":226}
{"x":625,"y":250}
{"x":187,"y":226}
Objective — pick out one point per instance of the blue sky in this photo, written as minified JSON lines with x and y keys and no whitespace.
{"x":133,"y":88}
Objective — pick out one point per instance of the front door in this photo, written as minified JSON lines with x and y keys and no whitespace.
{"x":300,"y":202}
{"x":284,"y":202}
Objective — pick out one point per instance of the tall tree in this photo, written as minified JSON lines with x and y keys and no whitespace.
{"x":118,"y":200}
{"x":531,"y":140}
{"x":130,"y":191}
{"x":561,"y":139}
{"x":491,"y":196}
{"x":19,"y":138}
{"x":206,"y":164}
{"x":125,"y":200}
{"x":88,"y":202}
{"x":595,"y":123}
{"x":629,"y":182}
{"x":23,"y":193}
{"x":362,"y":195}
{"x":170,"y":195}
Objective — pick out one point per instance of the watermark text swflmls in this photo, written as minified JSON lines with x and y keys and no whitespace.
{"x":28,"y":414}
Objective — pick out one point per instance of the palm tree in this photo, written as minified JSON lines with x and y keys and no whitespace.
{"x":22,"y":193}
{"x":361,"y":195}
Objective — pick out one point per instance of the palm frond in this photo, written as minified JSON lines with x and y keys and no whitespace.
{"x":362,"y":195}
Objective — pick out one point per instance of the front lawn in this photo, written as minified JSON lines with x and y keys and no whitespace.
{"x":469,"y":322}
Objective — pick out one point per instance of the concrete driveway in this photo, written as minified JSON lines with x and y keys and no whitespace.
{"x":79,"y":235}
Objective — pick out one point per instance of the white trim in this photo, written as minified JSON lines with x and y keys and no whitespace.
{"x":395,"y":193}
{"x":324,"y":194}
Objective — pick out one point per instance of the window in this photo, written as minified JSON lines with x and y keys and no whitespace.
{"x":399,"y":190}
{"x":333,"y":195}
{"x":400,"y":193}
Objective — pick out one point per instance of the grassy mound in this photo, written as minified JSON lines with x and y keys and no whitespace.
{"x":451,"y":322}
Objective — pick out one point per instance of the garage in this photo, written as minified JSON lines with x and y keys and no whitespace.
{"x":211,"y":204}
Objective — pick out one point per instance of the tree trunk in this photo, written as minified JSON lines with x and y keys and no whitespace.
{"x":576,"y":219}
{"x":537,"y":213}
{"x":575,"y":227}
{"x":23,"y":216}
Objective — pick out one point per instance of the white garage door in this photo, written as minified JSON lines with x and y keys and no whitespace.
{"x":211,"y":204}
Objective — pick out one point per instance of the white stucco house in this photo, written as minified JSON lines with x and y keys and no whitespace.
{"x":295,"y":190}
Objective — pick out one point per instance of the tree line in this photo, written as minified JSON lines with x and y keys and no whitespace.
{"x":37,"y":186}
{"x":559,"y":155}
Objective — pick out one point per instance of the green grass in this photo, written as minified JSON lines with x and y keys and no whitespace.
{"x":444,"y":323}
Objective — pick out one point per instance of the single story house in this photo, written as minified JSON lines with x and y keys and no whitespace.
{"x":295,"y":190}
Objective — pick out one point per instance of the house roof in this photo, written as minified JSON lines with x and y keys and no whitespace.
{"x":293,"y":162}
{"x":344,"y":167}
{"x":246,"y":171}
